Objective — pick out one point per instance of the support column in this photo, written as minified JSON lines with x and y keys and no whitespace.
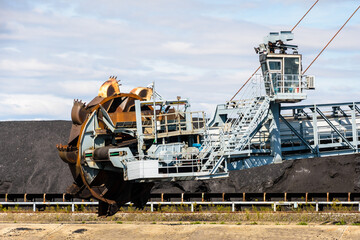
{"x":315,"y":130}
{"x":139,"y":131}
{"x":354,"y":127}
{"x":188,"y":117}
{"x":274,"y":130}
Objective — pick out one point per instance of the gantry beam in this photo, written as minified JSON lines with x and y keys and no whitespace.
{"x":332,"y":126}
{"x":298,"y":135}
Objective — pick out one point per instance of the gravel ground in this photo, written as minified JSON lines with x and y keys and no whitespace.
{"x":175,"y":231}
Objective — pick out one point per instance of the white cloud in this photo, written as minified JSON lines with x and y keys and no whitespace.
{"x":31,"y":105}
{"x":11,"y":49}
{"x":168,"y":67}
{"x":82,"y":55}
{"x":198,"y":49}
{"x":27,"y":65}
{"x":178,"y":46}
{"x":78,"y":88}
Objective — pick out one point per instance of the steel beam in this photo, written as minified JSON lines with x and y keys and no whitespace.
{"x":353,"y":126}
{"x":298,"y":134}
{"x":356,"y":107}
{"x":139,"y":131}
{"x":315,"y":130}
{"x":275,"y":132}
{"x":333,"y":127}
{"x":319,"y":105}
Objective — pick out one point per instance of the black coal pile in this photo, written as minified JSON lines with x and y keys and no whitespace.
{"x":29,"y":163}
{"x":326,"y":174}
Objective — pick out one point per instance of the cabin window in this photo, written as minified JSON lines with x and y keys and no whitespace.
{"x":292,"y":66}
{"x":263,"y":67}
{"x":275,"y":65}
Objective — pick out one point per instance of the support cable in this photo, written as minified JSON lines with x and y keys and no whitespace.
{"x":260,"y":66}
{"x":330,"y":40}
{"x":304,"y":15}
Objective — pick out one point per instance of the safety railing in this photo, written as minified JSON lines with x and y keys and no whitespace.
{"x":182,"y":165}
{"x":276,"y":83}
{"x":175,"y":162}
{"x":174,"y":123}
{"x":287,"y":83}
{"x":193,"y":206}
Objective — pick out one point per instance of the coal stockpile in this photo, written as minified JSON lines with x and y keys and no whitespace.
{"x":29,"y":163}
{"x":326,"y":174}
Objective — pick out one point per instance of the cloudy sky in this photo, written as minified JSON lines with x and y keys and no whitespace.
{"x":54,"y":51}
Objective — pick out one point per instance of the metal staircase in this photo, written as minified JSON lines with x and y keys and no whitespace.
{"x":246,"y":126}
{"x":236,"y":133}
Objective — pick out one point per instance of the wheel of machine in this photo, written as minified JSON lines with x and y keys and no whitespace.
{"x":109,"y":187}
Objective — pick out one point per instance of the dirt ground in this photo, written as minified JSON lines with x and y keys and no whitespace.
{"x":174,"y":231}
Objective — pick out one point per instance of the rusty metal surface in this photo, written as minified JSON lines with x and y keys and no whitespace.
{"x":144,"y":93}
{"x":109,"y":88}
{"x":78,"y":112}
{"x":108,"y":187}
{"x":67,"y":154}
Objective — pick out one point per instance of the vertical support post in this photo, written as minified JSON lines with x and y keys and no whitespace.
{"x":306,"y":197}
{"x":188,"y":118}
{"x":192,"y":207}
{"x":233,"y":207}
{"x":182,"y":197}
{"x":244,"y":199}
{"x":202,"y":197}
{"x":285,"y":197}
{"x":274,"y":207}
{"x":72,"y":207}
{"x":317,"y":207}
{"x":155,"y":118}
{"x":34,"y":207}
{"x":354,"y":127}
{"x":349,"y":196}
{"x":203,"y":121}
{"x":162,"y":197}
{"x":6,"y":197}
{"x":44,"y":197}
{"x":275,"y":132}
{"x":179,"y":123}
{"x":327,"y":196}
{"x":139,"y":131}
{"x":151,"y":206}
{"x":166,"y":124}
{"x":264,"y":196}
{"x":64,"y":197}
{"x":25,"y":197}
{"x":315,"y":131}
{"x":223,"y":197}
